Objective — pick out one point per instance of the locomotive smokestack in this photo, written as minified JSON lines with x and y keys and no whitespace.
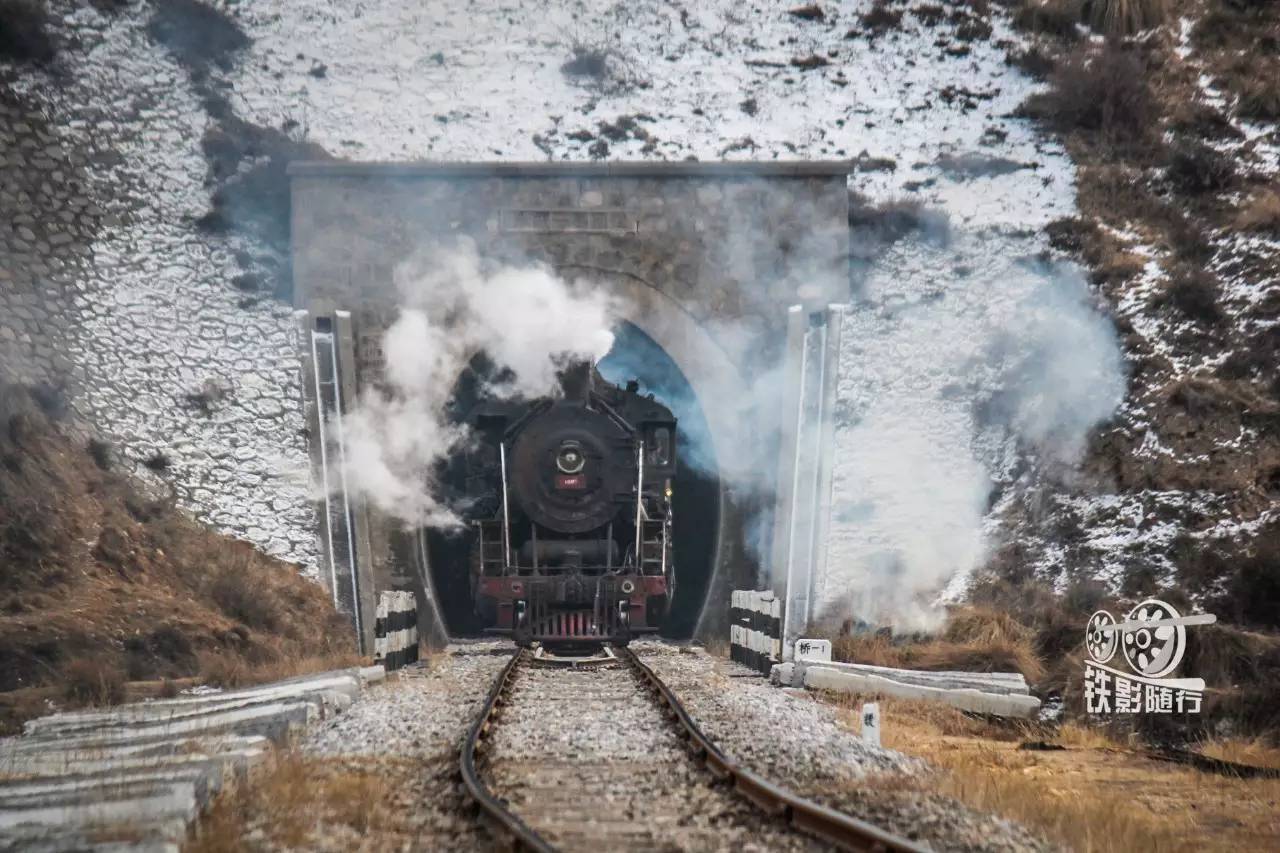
{"x":576,"y":379}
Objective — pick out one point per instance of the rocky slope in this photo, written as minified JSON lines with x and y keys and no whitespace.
{"x":994,"y":145}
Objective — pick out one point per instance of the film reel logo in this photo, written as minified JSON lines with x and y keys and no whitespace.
{"x":1153,"y":637}
{"x":1153,"y":640}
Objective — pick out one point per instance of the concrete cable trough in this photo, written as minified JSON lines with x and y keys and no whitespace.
{"x":1002,"y":694}
{"x":136,"y":776}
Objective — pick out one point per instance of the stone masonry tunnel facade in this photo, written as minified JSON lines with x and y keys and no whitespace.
{"x":706,"y":258}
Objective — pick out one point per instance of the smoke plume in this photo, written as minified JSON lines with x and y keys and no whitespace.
{"x":454,"y":305}
{"x":963,"y":364}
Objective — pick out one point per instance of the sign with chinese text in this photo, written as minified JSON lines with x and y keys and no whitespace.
{"x":1153,"y":639}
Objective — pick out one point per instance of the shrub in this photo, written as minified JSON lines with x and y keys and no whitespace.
{"x":1195,"y":294}
{"x":1259,"y":96}
{"x":1126,"y":17}
{"x":52,"y":400}
{"x":102,"y":454}
{"x":587,"y":61}
{"x":223,"y":669}
{"x":929,"y":14}
{"x":598,"y":63}
{"x":880,"y":18}
{"x":93,"y":682}
{"x":24,"y":31}
{"x":974,"y":639}
{"x":197,"y":34}
{"x":1202,"y":119}
{"x":1195,"y":168}
{"x":1058,"y":18}
{"x":1033,"y":61}
{"x":892,"y":220}
{"x":1102,"y":90}
{"x":1261,"y":213}
{"x":809,"y":12}
{"x":235,"y":590}
{"x":157,"y":462}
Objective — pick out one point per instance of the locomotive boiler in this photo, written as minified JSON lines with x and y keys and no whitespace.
{"x":572,"y":513}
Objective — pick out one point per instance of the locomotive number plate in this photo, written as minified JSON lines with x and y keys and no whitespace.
{"x":571,"y":481}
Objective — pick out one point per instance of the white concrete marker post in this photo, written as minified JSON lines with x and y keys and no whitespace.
{"x":871,"y":723}
{"x":816,"y":651}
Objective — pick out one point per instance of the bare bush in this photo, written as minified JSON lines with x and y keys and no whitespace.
{"x":24,"y":31}
{"x":1126,"y":17}
{"x":197,"y":34}
{"x":1195,"y":168}
{"x":1259,"y":96}
{"x":880,"y":18}
{"x":891,"y":220}
{"x":102,"y":453}
{"x":1261,"y":213}
{"x":588,"y":60}
{"x":1100,"y":90}
{"x":157,"y":462}
{"x":1057,"y":18}
{"x":93,"y":682}
{"x":1195,"y":294}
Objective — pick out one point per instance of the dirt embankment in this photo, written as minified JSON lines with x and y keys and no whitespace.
{"x":103,"y":586}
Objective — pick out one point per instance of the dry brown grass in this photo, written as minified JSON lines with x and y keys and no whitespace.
{"x":1100,"y":793}
{"x":716,"y":647}
{"x":974,"y":639}
{"x":227,"y":670}
{"x":1261,"y":213}
{"x":293,"y":801}
{"x":100,"y":578}
{"x":1127,"y":17}
{"x":1254,"y":752}
{"x":1057,"y":18}
{"x":93,"y":682}
{"x":1100,"y":91}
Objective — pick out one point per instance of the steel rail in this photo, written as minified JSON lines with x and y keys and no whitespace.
{"x":837,"y":828}
{"x":845,"y":832}
{"x":523,"y":837}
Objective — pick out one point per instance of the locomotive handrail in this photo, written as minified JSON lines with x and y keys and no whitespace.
{"x":842,"y":830}
{"x":506,"y":517}
{"x":639,"y":501}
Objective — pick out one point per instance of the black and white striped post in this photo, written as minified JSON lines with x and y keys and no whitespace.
{"x":396,"y":630}
{"x":755,"y":629}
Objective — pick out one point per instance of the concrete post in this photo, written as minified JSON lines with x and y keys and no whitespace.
{"x":826,"y":437}
{"x":329,"y":391}
{"x":802,"y":518}
{"x":793,"y":357}
{"x":367,"y":583}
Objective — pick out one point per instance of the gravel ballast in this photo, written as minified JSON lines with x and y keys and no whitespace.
{"x":409,"y":731}
{"x":800,"y":743}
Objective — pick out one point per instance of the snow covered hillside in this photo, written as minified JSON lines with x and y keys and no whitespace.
{"x":979,"y":363}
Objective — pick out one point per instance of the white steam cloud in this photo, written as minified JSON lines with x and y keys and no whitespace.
{"x":453,"y":305}
{"x":963,"y":363}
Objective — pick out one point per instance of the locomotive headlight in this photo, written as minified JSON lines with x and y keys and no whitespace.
{"x":570,"y":458}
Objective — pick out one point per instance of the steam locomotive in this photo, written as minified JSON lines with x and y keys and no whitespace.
{"x":572,"y":513}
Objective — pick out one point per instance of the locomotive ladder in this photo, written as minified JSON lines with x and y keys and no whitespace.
{"x":493,"y":558}
{"x":653,"y":546}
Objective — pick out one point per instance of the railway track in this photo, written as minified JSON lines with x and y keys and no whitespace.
{"x":603,"y":756}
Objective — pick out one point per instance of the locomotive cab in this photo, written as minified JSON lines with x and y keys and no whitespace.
{"x":572,"y":499}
